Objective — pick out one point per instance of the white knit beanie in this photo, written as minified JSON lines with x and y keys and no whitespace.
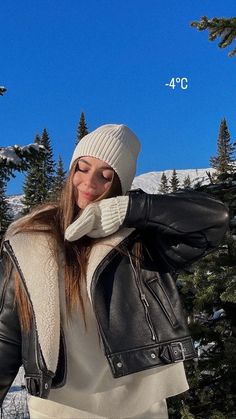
{"x":114,"y":144}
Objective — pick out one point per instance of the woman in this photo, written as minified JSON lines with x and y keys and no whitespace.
{"x":97,"y":323}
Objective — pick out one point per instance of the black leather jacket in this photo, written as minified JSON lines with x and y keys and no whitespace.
{"x":137,"y":307}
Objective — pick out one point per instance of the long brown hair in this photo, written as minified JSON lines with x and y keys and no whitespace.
{"x":54,"y":218}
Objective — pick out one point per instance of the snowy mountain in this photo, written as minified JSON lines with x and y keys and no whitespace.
{"x":15,"y":204}
{"x":149,"y":182}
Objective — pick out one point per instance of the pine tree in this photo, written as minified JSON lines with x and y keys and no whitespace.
{"x":174,"y":182}
{"x":32,"y":185}
{"x":213,"y":288}
{"x":38,"y":185}
{"x":5,"y":211}
{"x":224,"y":28}
{"x":164,"y":188}
{"x":59,"y":180}
{"x":223,"y":163}
{"x":208,"y":287}
{"x":82,"y":129}
{"x":187,"y":182}
{"x":12,"y":159}
{"x":47,"y":166}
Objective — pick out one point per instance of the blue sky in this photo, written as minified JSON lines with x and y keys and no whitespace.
{"x":111,"y":60}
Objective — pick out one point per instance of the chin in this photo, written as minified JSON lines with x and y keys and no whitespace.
{"x":82,"y":204}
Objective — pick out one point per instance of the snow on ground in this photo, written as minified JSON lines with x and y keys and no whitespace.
{"x":15,"y":403}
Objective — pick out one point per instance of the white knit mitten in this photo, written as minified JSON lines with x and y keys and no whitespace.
{"x":99,"y":219}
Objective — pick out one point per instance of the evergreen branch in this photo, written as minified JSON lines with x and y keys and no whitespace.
{"x":224,"y":28}
{"x":19,"y":158}
{"x":232,"y":53}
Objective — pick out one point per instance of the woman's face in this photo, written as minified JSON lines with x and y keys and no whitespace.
{"x":92,"y":178}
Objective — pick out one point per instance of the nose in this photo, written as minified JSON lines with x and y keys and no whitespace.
{"x":90,"y":180}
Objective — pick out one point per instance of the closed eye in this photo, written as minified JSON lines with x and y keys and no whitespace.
{"x":107,"y":176}
{"x":107,"y":179}
{"x":81,"y":170}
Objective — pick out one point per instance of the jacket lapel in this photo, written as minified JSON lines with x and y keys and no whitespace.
{"x":100,"y":250}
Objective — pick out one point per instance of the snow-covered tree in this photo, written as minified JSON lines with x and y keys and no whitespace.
{"x":82,"y":129}
{"x":19,"y":158}
{"x":12,"y":159}
{"x":163,"y":188}
{"x":223,"y":28}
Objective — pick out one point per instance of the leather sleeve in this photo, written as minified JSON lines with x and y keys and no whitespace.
{"x":10,"y":334}
{"x":180,"y":227}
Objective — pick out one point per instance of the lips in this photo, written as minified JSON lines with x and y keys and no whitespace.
{"x":88,"y":196}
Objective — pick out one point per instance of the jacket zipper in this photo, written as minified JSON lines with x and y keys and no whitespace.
{"x":144,"y":300}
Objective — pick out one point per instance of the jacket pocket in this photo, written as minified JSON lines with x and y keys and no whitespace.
{"x":157,"y":289}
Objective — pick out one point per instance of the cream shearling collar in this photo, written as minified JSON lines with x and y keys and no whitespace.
{"x":40,"y":273}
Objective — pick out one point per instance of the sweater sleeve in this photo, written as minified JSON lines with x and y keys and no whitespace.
{"x":182,"y":227}
{"x":10,"y":335}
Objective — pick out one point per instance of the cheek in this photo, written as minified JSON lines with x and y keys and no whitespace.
{"x":107,"y":186}
{"x":76,"y":179}
{"x":75,"y":183}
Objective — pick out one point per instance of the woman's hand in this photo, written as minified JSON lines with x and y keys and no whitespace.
{"x":99,"y":219}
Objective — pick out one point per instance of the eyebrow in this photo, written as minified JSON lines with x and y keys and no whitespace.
{"x":103,"y":167}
